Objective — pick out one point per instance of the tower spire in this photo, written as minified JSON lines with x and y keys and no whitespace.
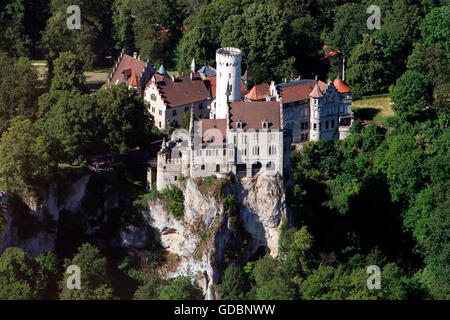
{"x":193,"y":65}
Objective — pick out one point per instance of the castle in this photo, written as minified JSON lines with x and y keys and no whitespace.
{"x":238,"y":132}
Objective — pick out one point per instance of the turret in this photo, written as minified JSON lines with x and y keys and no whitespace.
{"x":228,"y":65}
{"x":315,"y":105}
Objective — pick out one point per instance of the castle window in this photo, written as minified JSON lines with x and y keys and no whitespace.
{"x":302,"y":126}
{"x":186,"y":108}
{"x":231,"y":88}
{"x":175,"y":178}
{"x":217,"y":167}
{"x":315,"y":126}
{"x":306,"y":125}
{"x":160,"y":112}
{"x":229,"y":75}
{"x":265,"y":125}
{"x":326,"y":125}
{"x":174,"y":112}
{"x":153,"y":109}
{"x":203,"y":167}
{"x":239,"y":125}
{"x":235,"y":140}
{"x":153,"y":97}
{"x":332,"y":123}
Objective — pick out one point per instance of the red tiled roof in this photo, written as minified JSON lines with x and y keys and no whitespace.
{"x":208,"y":130}
{"x":259,"y":92}
{"x":341,"y":86}
{"x":300,"y":91}
{"x":316,"y":93}
{"x":183,"y":91}
{"x":130,"y":66}
{"x":253,"y":113}
{"x":212,"y":83}
{"x":134,"y":81}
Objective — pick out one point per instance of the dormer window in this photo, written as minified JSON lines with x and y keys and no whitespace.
{"x":265,"y":125}
{"x":239,"y":124}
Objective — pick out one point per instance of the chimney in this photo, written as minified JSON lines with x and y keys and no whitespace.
{"x":135,"y":55}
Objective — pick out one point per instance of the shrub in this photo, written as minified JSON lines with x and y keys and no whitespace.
{"x":173,"y":199}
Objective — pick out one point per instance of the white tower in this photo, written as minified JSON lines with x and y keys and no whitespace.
{"x":315,"y":104}
{"x":228,"y":65}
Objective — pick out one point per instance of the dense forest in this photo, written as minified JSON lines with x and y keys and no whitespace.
{"x":381,"y":196}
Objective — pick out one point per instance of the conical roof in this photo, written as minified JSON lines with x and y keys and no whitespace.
{"x":162,"y":70}
{"x":316,"y":93}
{"x":340,"y":85}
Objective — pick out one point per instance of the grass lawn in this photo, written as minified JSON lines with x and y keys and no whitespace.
{"x":95,"y":79}
{"x":373,"y":108}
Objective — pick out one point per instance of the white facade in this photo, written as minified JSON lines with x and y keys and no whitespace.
{"x":228,"y":73}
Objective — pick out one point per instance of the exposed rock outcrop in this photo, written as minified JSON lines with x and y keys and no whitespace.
{"x":200,"y":241}
{"x":46,"y":209}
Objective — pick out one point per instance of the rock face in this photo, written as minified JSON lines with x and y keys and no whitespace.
{"x":201,"y":240}
{"x":47,"y":208}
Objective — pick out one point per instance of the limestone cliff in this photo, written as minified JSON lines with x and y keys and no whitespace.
{"x":201,"y":243}
{"x":40,"y":211}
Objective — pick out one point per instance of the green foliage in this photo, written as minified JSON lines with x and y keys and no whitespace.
{"x":125,"y":123}
{"x":181,"y":288}
{"x":233,"y":283}
{"x":411,"y":95}
{"x":435,"y":28}
{"x":261,"y":32}
{"x":24,"y":278}
{"x":68,"y":72}
{"x":86,"y":43}
{"x":173,"y":199}
{"x":185,"y":120}
{"x":24,"y":156}
{"x":95,"y":282}
{"x":151,"y":288}
{"x":152,"y":18}
{"x":366,"y":71}
{"x":269,"y":284}
{"x":18,"y":94}
{"x":70,"y":120}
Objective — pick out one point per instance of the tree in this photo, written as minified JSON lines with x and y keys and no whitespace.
{"x":157,"y":29}
{"x":125,"y":122}
{"x":13,"y":34}
{"x":18,"y":93}
{"x":397,"y":35}
{"x":435,"y":28}
{"x":262,"y":34}
{"x":180,"y":288}
{"x":151,"y":288}
{"x":89,"y":42}
{"x":411,"y":95}
{"x":70,"y":121}
{"x":68,"y":72}
{"x":203,"y":37}
{"x":95,"y":282}
{"x":269,"y":282}
{"x":233,"y":284}
{"x":123,"y":25}
{"x":24,"y":156}
{"x":366,"y":71}
{"x":21,"y":277}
